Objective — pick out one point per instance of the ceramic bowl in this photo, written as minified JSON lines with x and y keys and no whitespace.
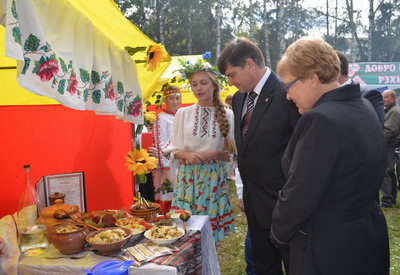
{"x":136,"y":229}
{"x":159,"y":241}
{"x":112,"y":247}
{"x":69,"y":238}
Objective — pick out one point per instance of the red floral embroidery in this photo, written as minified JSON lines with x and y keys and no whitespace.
{"x":214,"y":190}
{"x":48,"y":70}
{"x":110,"y":91}
{"x":73,"y":84}
{"x":136,"y":108}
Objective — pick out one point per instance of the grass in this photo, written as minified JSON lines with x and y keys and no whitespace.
{"x":231,"y":249}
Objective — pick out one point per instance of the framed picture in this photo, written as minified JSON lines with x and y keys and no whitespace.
{"x":71,"y":184}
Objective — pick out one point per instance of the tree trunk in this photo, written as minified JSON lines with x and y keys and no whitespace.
{"x":218,"y":19}
{"x":251,"y":21}
{"x":189,"y":26}
{"x":161,"y":21}
{"x":266,"y":38}
{"x":327,"y":18}
{"x":281,"y":27}
{"x":371,"y":27}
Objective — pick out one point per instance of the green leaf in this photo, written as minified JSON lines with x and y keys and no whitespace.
{"x":17,"y":35}
{"x":132,"y":51}
{"x":27,"y":61}
{"x":120,"y":104}
{"x":37,"y":66}
{"x":141,"y":179}
{"x":61,"y":86}
{"x":14,"y":10}
{"x":96,"y":96}
{"x":32,"y":43}
{"x":120,"y":87}
{"x":139,"y":129}
{"x":46,"y":48}
{"x":95,"y":77}
{"x":84,"y":75}
{"x":63,"y":66}
{"x":85,"y":94}
{"x":70,"y":64}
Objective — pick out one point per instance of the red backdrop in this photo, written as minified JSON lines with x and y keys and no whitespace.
{"x":54,"y":140}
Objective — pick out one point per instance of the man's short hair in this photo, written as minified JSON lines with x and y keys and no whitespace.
{"x":237,"y":52}
{"x":344,"y":63}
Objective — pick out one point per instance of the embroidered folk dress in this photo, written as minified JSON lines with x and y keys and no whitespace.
{"x":162,"y":129}
{"x":202,"y":188}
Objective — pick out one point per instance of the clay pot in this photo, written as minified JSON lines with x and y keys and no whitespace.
{"x":56,"y":196}
{"x":70,"y":242}
{"x":47,"y":214}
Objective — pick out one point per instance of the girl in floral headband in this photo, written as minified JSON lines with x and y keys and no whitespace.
{"x":201,"y":146}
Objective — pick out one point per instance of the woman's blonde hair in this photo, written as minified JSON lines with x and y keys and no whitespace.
{"x":220,"y":115}
{"x":307,"y":56}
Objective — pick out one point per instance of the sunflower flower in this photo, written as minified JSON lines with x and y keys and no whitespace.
{"x":155,"y":55}
{"x":150,"y":117}
{"x":140,"y":162}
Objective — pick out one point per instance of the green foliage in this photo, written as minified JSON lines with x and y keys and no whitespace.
{"x":166,"y":187}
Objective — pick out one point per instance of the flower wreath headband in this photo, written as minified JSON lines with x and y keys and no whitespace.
{"x":188,"y":68}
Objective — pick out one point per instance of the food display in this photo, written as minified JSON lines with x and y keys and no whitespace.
{"x":108,"y":236}
{"x":69,"y":228}
{"x":104,"y":218}
{"x":165,"y":232}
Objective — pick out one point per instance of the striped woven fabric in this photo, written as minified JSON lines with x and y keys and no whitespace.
{"x":188,"y":259}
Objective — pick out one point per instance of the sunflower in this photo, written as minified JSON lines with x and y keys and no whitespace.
{"x":139,"y":162}
{"x":150,"y":116}
{"x":155,"y":55}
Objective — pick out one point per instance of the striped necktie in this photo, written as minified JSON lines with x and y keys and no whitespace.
{"x":247,"y":117}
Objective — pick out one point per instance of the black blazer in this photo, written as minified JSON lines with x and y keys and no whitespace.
{"x":259,"y":157}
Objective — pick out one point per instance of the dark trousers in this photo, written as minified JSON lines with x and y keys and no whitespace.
{"x":248,"y":256}
{"x":266,"y":256}
{"x":389,"y":184}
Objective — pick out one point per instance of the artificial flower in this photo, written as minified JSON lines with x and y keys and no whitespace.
{"x":140,"y":162}
{"x":150,"y":117}
{"x":155,"y":55}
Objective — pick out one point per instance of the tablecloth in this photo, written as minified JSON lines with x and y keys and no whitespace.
{"x":41,"y":265}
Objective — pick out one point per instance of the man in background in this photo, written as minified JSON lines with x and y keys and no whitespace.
{"x":371,"y":95}
{"x":391,"y":129}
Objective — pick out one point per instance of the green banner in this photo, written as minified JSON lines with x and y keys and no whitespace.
{"x":375,"y":73}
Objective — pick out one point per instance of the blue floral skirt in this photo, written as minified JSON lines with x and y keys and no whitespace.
{"x":203,"y":189}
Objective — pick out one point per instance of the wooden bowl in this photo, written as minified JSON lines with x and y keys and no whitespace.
{"x":146,"y":213}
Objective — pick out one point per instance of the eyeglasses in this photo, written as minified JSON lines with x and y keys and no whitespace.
{"x":290,"y":84}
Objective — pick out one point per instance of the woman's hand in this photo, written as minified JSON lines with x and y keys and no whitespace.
{"x":152,"y":151}
{"x":191,"y":157}
{"x":214,"y":154}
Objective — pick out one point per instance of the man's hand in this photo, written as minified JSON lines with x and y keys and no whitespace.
{"x":241,"y":205}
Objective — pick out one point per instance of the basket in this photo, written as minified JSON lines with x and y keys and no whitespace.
{"x":146,"y":214}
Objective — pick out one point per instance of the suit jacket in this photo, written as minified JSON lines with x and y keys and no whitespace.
{"x":375,"y":97}
{"x":259,"y":156}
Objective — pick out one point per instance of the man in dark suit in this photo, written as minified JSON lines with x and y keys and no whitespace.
{"x":373,"y":96}
{"x":264,"y":122}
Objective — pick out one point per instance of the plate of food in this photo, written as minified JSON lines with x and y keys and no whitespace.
{"x":164,"y":235}
{"x":104,"y":218}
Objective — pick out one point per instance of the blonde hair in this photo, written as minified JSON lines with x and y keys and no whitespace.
{"x":307,"y":56}
{"x":220,"y":115}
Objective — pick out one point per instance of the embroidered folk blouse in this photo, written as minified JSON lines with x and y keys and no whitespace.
{"x":196,"y":129}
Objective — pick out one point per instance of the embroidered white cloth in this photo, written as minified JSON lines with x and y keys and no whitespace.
{"x":8,"y":231}
{"x":73,"y":51}
{"x":162,"y":129}
{"x":196,"y":129}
